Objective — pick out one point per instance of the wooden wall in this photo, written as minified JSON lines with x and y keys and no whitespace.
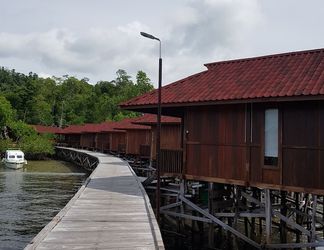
{"x":215,"y":141}
{"x":170,"y":137}
{"x":116,"y":139}
{"x":303,"y":144}
{"x":103,"y":141}
{"x":88,"y":140}
{"x":135,"y":138}
{"x":225,"y":143}
{"x":73,"y":140}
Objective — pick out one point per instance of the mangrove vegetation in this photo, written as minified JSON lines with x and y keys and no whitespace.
{"x":59,"y":101}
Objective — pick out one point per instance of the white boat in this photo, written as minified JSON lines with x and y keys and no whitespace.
{"x":14,"y":158}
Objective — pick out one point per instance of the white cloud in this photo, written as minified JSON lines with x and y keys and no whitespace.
{"x":198,"y":32}
{"x":207,"y":31}
{"x":207,"y":26}
{"x":64,"y":50}
{"x":64,"y":38}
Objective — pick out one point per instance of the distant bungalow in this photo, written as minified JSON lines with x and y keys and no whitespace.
{"x":130,"y":136}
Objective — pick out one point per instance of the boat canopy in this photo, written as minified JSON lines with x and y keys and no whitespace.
{"x":14,"y":153}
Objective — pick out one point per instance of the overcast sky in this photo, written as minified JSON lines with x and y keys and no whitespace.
{"x":95,"y":38}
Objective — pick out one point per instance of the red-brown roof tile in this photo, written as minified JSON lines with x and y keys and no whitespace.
{"x":110,"y":127}
{"x":73,"y":129}
{"x":282,"y":75}
{"x":46,"y":129}
{"x":151,"y":119}
{"x":127,"y":124}
{"x":91,"y":128}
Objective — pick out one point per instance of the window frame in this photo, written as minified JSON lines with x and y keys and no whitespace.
{"x":276,"y":166}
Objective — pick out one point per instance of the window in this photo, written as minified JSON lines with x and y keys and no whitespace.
{"x":271,"y":137}
{"x":19,"y":156}
{"x":11,"y":156}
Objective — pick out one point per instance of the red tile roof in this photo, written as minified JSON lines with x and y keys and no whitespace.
{"x":127,"y":124}
{"x":73,"y":129}
{"x":116,"y":127}
{"x":46,"y":129}
{"x":92,"y":128}
{"x":109,"y":127}
{"x":150,"y":119}
{"x":295,"y":74}
{"x":89,"y":128}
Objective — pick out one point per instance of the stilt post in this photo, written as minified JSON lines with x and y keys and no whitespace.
{"x":268,"y":215}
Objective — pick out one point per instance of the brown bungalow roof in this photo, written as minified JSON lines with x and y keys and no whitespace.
{"x":127,"y":124}
{"x":109,"y":127}
{"x":116,"y":127}
{"x":151,"y":119}
{"x":294,"y":74}
{"x":46,"y":129}
{"x":73,"y":129}
{"x":91,"y":128}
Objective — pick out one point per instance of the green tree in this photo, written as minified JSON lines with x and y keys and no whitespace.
{"x":6,"y":112}
{"x":18,"y":134}
{"x":68,"y":100}
{"x":143,"y":83}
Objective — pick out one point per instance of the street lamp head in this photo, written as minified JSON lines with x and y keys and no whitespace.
{"x":149,"y":36}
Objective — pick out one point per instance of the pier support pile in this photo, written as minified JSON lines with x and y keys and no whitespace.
{"x":245,"y":217}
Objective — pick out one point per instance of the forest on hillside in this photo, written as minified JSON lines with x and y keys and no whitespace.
{"x":59,"y":101}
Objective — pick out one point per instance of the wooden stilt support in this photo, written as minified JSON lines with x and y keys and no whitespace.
{"x":298,"y":219}
{"x":228,"y":234}
{"x":260,"y":219}
{"x":283,"y":211}
{"x":211,"y":229}
{"x":313,"y":223}
{"x":237,"y":193}
{"x":323,"y":212}
{"x":252,"y":229}
{"x":180,"y":221}
{"x":220,"y":223}
{"x":246,"y":220}
{"x":268,"y":215}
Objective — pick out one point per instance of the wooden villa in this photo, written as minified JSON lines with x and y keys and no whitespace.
{"x":251,"y":122}
{"x":171,"y":139}
{"x":89,"y":136}
{"x":111,"y":139}
{"x":135,"y":135}
{"x":71,"y":136}
{"x":170,"y":131}
{"x":104,"y":137}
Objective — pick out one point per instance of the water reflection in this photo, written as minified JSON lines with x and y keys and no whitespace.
{"x":31,"y":197}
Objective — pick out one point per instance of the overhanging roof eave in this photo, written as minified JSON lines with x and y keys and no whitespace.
{"x":153,"y":108}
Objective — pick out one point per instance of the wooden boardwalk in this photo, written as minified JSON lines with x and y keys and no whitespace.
{"x":110,"y":211}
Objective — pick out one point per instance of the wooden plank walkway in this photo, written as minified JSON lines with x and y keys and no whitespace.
{"x":110,"y":211}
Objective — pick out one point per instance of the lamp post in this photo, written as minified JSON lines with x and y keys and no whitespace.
{"x":158,"y":130}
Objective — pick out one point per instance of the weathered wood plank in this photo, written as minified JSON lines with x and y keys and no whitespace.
{"x":112,"y":211}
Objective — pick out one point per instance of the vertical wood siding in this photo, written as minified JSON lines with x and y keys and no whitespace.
{"x":116,"y":139}
{"x":303,"y":144}
{"x":219,"y":144}
{"x":215,"y":141}
{"x":135,"y":138}
{"x":170,"y":137}
{"x":103,"y":141}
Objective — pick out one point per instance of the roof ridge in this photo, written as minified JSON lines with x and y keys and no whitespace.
{"x":255,"y":58}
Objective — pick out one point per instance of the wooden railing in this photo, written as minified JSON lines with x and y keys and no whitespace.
{"x":145,"y":151}
{"x":171,"y":161}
